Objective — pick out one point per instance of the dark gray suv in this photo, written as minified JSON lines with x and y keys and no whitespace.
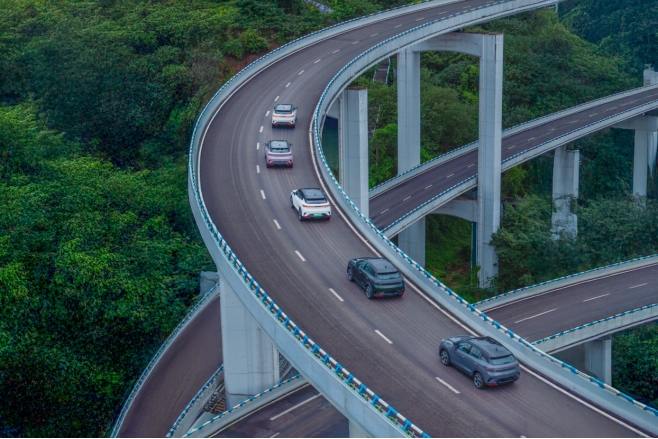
{"x":483,"y":358}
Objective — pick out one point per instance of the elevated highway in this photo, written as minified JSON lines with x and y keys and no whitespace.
{"x":302,"y":265}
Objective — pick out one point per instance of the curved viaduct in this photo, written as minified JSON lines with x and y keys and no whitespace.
{"x":388,"y":344}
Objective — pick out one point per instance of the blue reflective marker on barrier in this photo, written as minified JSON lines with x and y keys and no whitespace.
{"x":315,"y":349}
{"x":407,"y":425}
{"x":391,"y":411}
{"x":362,"y":388}
{"x":375,"y":398}
{"x":350,"y":378}
{"x":599,"y":383}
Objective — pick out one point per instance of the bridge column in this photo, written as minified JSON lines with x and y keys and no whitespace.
{"x":566,"y":175}
{"x":353,"y":154}
{"x":489,"y":48}
{"x":251,"y":363}
{"x":593,"y":358}
{"x":644,"y":156}
{"x":411,"y":240}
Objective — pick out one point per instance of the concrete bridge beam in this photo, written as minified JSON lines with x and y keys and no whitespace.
{"x":353,"y":146}
{"x":251,"y":362}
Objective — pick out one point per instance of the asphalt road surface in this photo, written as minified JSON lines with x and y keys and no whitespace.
{"x":245,"y":199}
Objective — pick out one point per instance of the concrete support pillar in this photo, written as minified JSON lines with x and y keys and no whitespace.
{"x":650,"y":77}
{"x":251,"y":363}
{"x":355,"y":430}
{"x":566,"y":176}
{"x":411,"y":240}
{"x":641,"y":162}
{"x":489,"y":48}
{"x":353,"y":136}
{"x":489,"y":154}
{"x":593,"y":358}
{"x":408,"y":109}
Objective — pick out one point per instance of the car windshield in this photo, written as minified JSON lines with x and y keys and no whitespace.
{"x":279,"y":147}
{"x":387,"y":276}
{"x":502,"y":360}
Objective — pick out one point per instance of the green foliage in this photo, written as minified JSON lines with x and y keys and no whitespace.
{"x":635,"y":363}
{"x":625,"y":28}
{"x":610,"y":230}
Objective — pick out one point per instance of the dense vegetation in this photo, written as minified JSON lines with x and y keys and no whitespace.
{"x":635,"y":363}
{"x":99,"y":255}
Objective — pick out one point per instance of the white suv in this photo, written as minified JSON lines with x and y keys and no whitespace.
{"x":284,"y":115}
{"x":310,"y":203}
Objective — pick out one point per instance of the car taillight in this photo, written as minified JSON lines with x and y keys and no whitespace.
{"x":490,"y":368}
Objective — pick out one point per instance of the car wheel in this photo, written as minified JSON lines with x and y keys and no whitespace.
{"x":301,"y":218}
{"x":445,"y":357}
{"x":328,"y":218}
{"x":292,"y":205}
{"x":478,"y":381}
{"x":350,"y":274}
{"x":369,"y":293}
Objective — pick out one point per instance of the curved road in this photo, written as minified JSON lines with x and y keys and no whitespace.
{"x":244,"y":199}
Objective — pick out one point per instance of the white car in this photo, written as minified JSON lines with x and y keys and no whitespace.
{"x":310,"y":203}
{"x":284,"y":115}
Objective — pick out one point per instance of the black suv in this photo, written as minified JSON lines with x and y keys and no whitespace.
{"x":483,"y":358}
{"x":377,"y":275}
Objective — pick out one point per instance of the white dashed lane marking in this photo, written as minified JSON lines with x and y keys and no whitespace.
{"x":450,"y":175}
{"x":420,"y":18}
{"x":594,"y":298}
{"x":276,"y":223}
{"x":287,"y":85}
{"x":293,"y":408}
{"x":258,"y":169}
{"x":383,"y":336}
{"x":469,"y":166}
{"x":300,"y":73}
{"x":262,"y":192}
{"x":407,"y":198}
{"x":336,"y":294}
{"x":261,"y":129}
{"x":336,"y":51}
{"x":300,"y":256}
{"x":373,"y":35}
{"x":536,"y":315}
{"x":448,"y":385}
{"x":384,"y":212}
{"x":257,"y":145}
{"x":637,"y":286}
{"x":276,"y":99}
{"x":397,"y":26}
{"x":317,"y":61}
{"x":267,"y":114}
{"x":428,"y":187}
{"x":355,"y":42}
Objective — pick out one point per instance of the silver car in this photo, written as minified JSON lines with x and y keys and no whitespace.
{"x":483,"y":358}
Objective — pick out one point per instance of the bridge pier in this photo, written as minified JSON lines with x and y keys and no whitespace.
{"x":566,"y":175}
{"x":353,"y":146}
{"x":593,"y":358}
{"x":489,"y":48}
{"x":251,"y":362}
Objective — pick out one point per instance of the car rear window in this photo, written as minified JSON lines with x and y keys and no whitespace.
{"x":283,"y":109}
{"x":279,"y":147}
{"x":316,"y":201}
{"x":502,"y":360}
{"x":387,"y":276}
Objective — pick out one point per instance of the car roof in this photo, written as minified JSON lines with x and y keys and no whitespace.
{"x":382,"y":265}
{"x":279,"y":143}
{"x":283,"y":107}
{"x":313,"y":194}
{"x":490,"y":346}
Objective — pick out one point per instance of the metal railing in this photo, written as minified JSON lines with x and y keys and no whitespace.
{"x":422,"y":275}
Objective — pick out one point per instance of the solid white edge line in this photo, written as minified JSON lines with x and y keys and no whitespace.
{"x":336,"y":294}
{"x":583,"y":402}
{"x":294,"y":407}
{"x":262,"y":192}
{"x":277,"y":224}
{"x":383,"y":336}
{"x":448,"y":385}
{"x":536,"y":315}
{"x":300,"y":256}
